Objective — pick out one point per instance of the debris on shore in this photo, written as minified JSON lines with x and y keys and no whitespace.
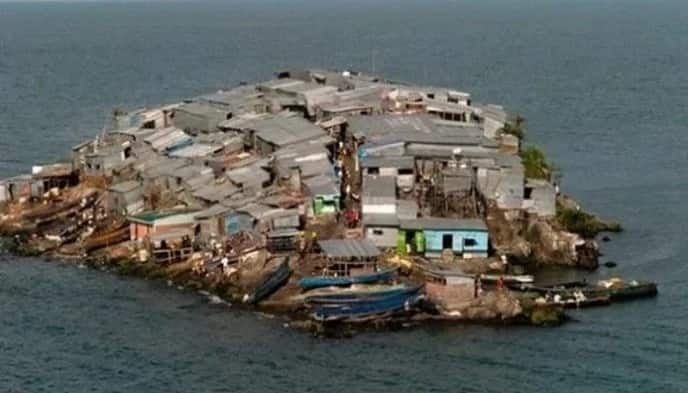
{"x":328,"y":197}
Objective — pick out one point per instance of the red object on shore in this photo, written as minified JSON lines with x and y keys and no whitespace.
{"x":500,"y":283}
{"x":351,"y":217}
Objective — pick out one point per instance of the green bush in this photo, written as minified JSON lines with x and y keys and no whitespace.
{"x":584,"y":224}
{"x":535,"y":163}
{"x":516,"y":130}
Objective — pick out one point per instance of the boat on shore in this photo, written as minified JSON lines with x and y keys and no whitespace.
{"x":273,"y":281}
{"x":580,"y":302}
{"x":107,"y":238}
{"x":615,"y":289}
{"x":342,"y":281}
{"x":354,"y":295}
{"x":367,"y":307}
{"x":508,"y":278}
{"x":619,"y":290}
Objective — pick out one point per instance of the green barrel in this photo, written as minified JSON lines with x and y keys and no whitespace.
{"x":401,"y":242}
{"x":420,"y":242}
{"x":317,"y":206}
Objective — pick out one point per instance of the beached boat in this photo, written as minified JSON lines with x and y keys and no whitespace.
{"x":508,"y":278}
{"x":342,"y":281}
{"x":106,"y":238}
{"x":619,"y":290}
{"x":371,"y":307}
{"x":572,"y":302}
{"x":615,"y":289}
{"x":352,"y":295}
{"x":271,"y":283}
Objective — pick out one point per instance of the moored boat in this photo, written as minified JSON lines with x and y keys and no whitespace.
{"x":372,"y":307}
{"x":581,"y":302}
{"x":360,"y":294}
{"x":107,"y":238}
{"x":508,"y":278}
{"x":620,"y":290}
{"x":615,"y":289}
{"x":271,"y":283}
{"x":342,"y":281}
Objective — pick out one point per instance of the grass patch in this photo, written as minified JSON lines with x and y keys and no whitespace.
{"x":584,"y":224}
{"x":535,"y":163}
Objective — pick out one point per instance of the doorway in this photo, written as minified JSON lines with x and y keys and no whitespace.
{"x":447,"y":242}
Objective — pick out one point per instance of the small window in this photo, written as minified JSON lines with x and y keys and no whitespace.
{"x":373,"y":171}
{"x":431,"y":96}
{"x":469,"y":243}
{"x":378,"y":232}
{"x":406,"y":171}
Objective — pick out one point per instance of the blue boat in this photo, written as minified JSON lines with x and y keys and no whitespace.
{"x":272,"y":282}
{"x":360,"y":295}
{"x":367,"y":308}
{"x":343,"y":281}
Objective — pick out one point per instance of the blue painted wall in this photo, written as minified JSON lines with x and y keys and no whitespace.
{"x":237,"y":222}
{"x":433,"y":240}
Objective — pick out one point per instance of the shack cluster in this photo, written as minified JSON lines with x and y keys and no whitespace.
{"x":335,"y":171}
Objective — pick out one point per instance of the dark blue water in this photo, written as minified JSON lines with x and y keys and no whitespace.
{"x":603,"y":84}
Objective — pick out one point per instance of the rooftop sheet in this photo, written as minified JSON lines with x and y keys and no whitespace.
{"x":349,"y":248}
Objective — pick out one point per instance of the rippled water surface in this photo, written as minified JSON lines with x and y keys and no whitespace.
{"x":603,"y":84}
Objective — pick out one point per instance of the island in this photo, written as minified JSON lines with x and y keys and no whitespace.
{"x":331,"y":198}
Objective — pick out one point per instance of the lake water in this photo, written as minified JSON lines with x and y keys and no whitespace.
{"x":603,"y":84}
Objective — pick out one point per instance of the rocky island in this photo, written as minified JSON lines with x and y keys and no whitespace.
{"x":327,"y":197}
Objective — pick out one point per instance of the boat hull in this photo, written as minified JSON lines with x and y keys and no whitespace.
{"x":272,"y":282}
{"x":366,"y":309}
{"x":361,"y":296}
{"x":327,"y":281}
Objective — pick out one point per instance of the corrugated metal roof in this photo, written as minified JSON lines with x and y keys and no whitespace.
{"x":381,"y":220}
{"x":196,"y":150}
{"x":159,"y":134}
{"x":407,"y":209}
{"x":321,"y":185}
{"x":152,"y":217}
{"x":167,"y":138}
{"x":255,"y":210}
{"x":378,"y":125}
{"x":216,"y":192}
{"x":279,"y":83}
{"x":420,"y":128}
{"x":202,"y":109}
{"x":379,"y":187}
{"x":126,"y":186}
{"x":190,"y":171}
{"x":286,"y":131}
{"x":399,"y":162}
{"x":162,"y":167}
{"x":248,"y":175}
{"x":197,"y":182}
{"x":349,"y":248}
{"x":212,"y":211}
{"x":440,"y":223}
